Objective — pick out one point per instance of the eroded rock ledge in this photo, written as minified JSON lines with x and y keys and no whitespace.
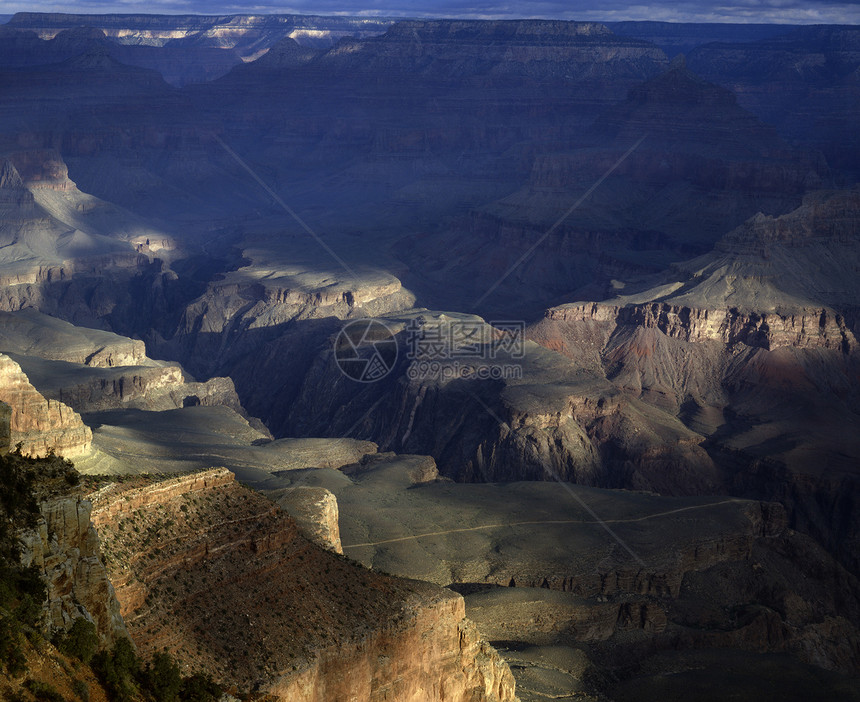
{"x":806,"y":328}
{"x":223,"y":578}
{"x":40,"y":425}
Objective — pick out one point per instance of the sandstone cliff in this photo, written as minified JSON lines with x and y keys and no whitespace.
{"x":315,"y":512}
{"x":433,"y":654}
{"x":222,"y":577}
{"x":40,"y":425}
{"x":64,"y":546}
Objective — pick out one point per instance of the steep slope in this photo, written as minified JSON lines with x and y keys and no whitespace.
{"x":755,"y":347}
{"x":51,"y":232}
{"x":501,"y":415}
{"x":54,"y":582}
{"x":41,"y":426}
{"x":65,"y":549}
{"x":804,"y":82}
{"x":76,"y":257}
{"x":256,"y":603}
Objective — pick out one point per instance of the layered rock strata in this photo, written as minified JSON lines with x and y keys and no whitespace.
{"x":64,"y":546}
{"x":39,"y":425}
{"x":221,"y":576}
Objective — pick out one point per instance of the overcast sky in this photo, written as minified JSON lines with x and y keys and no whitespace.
{"x":790,"y":11}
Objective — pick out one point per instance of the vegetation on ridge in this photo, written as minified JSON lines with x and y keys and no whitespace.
{"x":24,"y":649}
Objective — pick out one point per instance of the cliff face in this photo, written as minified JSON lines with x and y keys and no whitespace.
{"x":555,"y":50}
{"x":40,"y":425}
{"x":91,"y":370}
{"x":222,"y":577}
{"x":245,"y":325}
{"x":435,"y":654}
{"x":316,"y":514}
{"x":147,"y":387}
{"x":27,"y":332}
{"x":64,"y":546}
{"x":809,"y":328}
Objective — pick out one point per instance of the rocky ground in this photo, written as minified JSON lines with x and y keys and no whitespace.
{"x":222,"y":577}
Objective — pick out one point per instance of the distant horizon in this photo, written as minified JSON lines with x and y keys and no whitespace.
{"x":744,"y":12}
{"x":6,"y":17}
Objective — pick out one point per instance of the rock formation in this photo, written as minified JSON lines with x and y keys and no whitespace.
{"x":39,"y":425}
{"x":537,"y":567}
{"x":315,"y":512}
{"x":183,"y":48}
{"x":91,"y":370}
{"x":689,"y":386}
{"x":234,"y":226}
{"x":65,"y":548}
{"x":30,"y":333}
{"x":221,"y":576}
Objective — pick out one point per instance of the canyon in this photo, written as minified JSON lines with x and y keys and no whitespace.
{"x":656,"y":483}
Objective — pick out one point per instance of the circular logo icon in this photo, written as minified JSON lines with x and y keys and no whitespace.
{"x":365,"y":350}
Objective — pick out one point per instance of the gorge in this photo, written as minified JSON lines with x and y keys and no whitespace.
{"x":651,"y":483}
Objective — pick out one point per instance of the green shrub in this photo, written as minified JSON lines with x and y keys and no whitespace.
{"x":44,"y":692}
{"x":81,"y":641}
{"x":117,"y":670}
{"x":200,"y":688}
{"x":162,"y":678}
{"x":11,"y":655}
{"x":81,"y":689}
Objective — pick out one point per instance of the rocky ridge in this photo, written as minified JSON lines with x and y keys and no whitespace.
{"x":284,"y":599}
{"x":183,"y":48}
{"x":685,"y":164}
{"x":730,"y":342}
{"x":92,"y":370}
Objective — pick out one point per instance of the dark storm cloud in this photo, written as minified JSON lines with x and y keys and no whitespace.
{"x":795,"y":11}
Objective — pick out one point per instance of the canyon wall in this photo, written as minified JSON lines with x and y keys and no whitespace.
{"x":805,"y":328}
{"x":65,"y":548}
{"x":222,"y":577}
{"x":40,"y":425}
{"x":433,"y":655}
